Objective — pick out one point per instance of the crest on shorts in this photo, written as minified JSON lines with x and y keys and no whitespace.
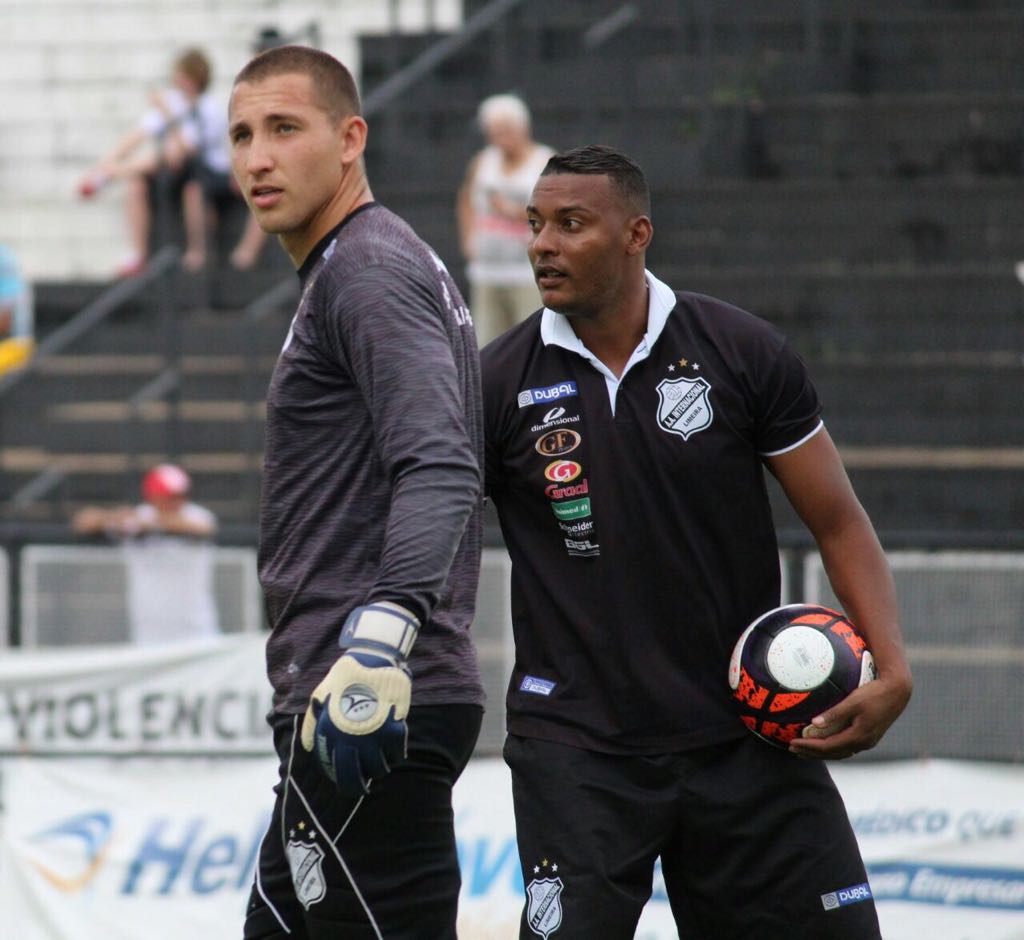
{"x":684,"y":407}
{"x":544,"y":905}
{"x":306,"y":860}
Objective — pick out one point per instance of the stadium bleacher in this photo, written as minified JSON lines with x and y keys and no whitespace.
{"x":884,"y":252}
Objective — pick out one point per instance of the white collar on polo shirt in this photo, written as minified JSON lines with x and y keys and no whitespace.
{"x":556,"y":331}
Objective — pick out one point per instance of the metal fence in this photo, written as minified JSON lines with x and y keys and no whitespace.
{"x":961,"y":615}
{"x":75,"y":595}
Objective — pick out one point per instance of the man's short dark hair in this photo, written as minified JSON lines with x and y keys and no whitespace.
{"x":332,"y":82}
{"x":599,"y":160}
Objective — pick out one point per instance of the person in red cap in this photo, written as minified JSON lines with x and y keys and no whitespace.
{"x":168,"y":544}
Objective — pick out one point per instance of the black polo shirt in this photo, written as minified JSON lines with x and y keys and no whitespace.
{"x":640,"y":534}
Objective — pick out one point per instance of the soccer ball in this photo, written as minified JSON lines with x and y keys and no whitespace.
{"x":793,"y":663}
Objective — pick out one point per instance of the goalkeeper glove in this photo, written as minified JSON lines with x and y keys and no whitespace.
{"x":356,"y":717}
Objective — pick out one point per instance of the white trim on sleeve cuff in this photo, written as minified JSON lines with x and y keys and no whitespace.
{"x":803,"y":440}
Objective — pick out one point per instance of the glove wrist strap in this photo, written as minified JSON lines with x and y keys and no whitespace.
{"x":383,"y":626}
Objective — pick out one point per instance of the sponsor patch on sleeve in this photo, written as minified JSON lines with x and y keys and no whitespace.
{"x":536,"y":686}
{"x":844,"y":896}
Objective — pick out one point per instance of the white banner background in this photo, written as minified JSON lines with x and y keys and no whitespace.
{"x":204,"y":696}
{"x":163,"y":846}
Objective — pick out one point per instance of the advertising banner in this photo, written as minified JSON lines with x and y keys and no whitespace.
{"x":164,"y":847}
{"x":135,"y":786}
{"x":208,"y":696}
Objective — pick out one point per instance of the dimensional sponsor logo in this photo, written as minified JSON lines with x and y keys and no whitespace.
{"x":564,"y":492}
{"x":536,"y":686}
{"x":573,"y":509}
{"x":562,"y":471}
{"x":562,"y":418}
{"x":554,"y":414}
{"x":555,"y":443}
{"x":538,"y":396}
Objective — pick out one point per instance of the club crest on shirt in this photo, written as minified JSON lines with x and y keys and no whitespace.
{"x":544,"y":905}
{"x":684,"y":406}
{"x":306,"y":861}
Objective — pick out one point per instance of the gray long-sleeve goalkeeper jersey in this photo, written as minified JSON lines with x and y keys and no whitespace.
{"x":371,"y":481}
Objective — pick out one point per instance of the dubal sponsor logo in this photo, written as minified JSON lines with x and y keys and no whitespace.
{"x":562,"y":471}
{"x":540,"y":396}
{"x":558,"y":442}
{"x":536,"y":686}
{"x":844,"y":896}
{"x":571,"y":509}
{"x":557,"y":491}
{"x":684,"y":407}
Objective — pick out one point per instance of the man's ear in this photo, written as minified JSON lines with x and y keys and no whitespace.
{"x":353,"y":131}
{"x":641,"y":231}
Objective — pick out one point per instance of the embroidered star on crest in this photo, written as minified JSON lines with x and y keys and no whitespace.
{"x":671,"y":368}
{"x":684,"y":363}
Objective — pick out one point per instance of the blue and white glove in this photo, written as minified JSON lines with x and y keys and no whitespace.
{"x":355,"y":722}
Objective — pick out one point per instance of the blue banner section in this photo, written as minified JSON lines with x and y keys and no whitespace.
{"x":1000,"y":889}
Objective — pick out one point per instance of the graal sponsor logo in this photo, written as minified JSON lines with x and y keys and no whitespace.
{"x":539,"y":396}
{"x":564,"y":492}
{"x":562,"y":471}
{"x":555,"y":443}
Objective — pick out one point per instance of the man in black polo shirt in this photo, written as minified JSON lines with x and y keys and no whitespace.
{"x":627,"y":428}
{"x":369,"y":529}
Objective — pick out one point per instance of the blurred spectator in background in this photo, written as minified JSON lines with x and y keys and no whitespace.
{"x":168,"y":543}
{"x":184,"y":135}
{"x":491,"y":214}
{"x":16,"y":313}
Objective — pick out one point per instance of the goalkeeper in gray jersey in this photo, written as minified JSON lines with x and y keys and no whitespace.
{"x":370,"y":529}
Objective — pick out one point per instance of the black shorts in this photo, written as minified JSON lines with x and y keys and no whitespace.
{"x":383,"y":867}
{"x":755,"y":844}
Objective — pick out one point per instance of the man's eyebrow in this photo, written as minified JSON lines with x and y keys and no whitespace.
{"x":272,"y":118}
{"x":561,"y":210}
